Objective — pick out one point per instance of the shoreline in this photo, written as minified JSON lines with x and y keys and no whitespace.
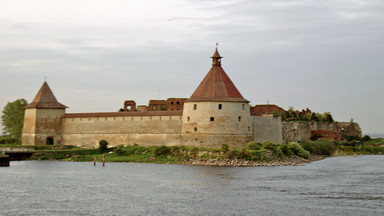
{"x":290,"y":161}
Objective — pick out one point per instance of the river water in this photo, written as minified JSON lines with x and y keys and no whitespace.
{"x":334,"y":186}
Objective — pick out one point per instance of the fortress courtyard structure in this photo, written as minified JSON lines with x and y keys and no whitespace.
{"x":215,"y":114}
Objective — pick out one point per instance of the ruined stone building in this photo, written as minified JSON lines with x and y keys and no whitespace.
{"x":215,"y":114}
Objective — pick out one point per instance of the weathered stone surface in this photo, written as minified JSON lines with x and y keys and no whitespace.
{"x":297,"y":131}
{"x":267,"y":128}
{"x":142,"y":130}
{"x":211,"y":124}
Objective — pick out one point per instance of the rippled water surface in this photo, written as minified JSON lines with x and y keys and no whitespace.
{"x":334,"y":186}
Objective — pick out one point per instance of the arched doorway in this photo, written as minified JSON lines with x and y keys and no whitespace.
{"x":50,"y":141}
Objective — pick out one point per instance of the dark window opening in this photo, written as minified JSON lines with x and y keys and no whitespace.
{"x":50,"y":141}
{"x":188,"y":119}
{"x":239,"y":118}
{"x":172,"y":102}
{"x":212,"y":119}
{"x":194,"y":106}
{"x":177,"y":102}
{"x":220,"y":106}
{"x":243,"y":106}
{"x":195,"y":129}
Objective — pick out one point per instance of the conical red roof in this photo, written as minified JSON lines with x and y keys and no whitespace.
{"x":45,"y":99}
{"x":217,"y":86}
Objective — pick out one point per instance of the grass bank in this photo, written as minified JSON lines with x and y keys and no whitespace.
{"x":254,"y":154}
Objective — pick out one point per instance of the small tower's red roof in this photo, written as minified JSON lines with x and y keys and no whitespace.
{"x":45,"y":99}
{"x":217,"y":86}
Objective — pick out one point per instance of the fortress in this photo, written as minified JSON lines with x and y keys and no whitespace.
{"x":215,"y":114}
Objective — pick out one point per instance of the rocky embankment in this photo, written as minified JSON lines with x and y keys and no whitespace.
{"x":291,"y":161}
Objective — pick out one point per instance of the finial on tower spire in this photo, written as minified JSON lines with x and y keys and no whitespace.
{"x":216,"y":58}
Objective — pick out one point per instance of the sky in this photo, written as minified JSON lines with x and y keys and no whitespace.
{"x":325,"y":55}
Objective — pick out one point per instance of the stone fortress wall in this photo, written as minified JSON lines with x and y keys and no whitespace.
{"x":267,"y":128}
{"x":122,"y":128}
{"x":297,"y":131}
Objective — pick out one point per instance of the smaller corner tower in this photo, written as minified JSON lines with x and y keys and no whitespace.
{"x":42,"y":119}
{"x":216,"y":113}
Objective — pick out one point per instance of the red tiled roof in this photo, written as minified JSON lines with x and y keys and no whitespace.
{"x":116,"y":114}
{"x":45,"y":99}
{"x":217,"y":86}
{"x":259,"y":110}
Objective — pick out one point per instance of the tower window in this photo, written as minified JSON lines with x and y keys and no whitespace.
{"x":212,"y":119}
{"x":195,"y":129}
{"x":220,"y":106}
{"x":243,"y":106}
{"x":194,"y":106}
{"x":239,"y":118}
{"x":188,"y":119}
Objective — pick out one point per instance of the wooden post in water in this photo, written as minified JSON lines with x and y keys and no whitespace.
{"x":103,"y":160}
{"x":94,"y":161}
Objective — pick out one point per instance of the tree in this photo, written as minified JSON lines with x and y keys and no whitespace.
{"x":12,"y":118}
{"x":103,"y":145}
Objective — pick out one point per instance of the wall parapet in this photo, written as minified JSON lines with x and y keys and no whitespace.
{"x":117,"y":114}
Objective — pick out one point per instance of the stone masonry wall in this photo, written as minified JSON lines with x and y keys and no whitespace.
{"x":267,"y":128}
{"x":40,"y":124}
{"x":297,"y":131}
{"x":127,"y":130}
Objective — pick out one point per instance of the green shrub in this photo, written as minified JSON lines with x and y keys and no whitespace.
{"x":140,"y":150}
{"x":176,"y":151}
{"x":119,"y":149}
{"x":353,"y":137}
{"x":269,"y":145}
{"x":195,"y":152}
{"x":278,"y":153}
{"x":253,"y":145}
{"x":103,"y":145}
{"x":365,"y":138}
{"x":297,"y":149}
{"x":8,"y":140}
{"x":258,"y":155}
{"x":319,"y":147}
{"x":205,"y":156}
{"x":284,"y":148}
{"x":232,"y":154}
{"x":161,"y":150}
{"x":243,"y":154}
{"x":224,"y":148}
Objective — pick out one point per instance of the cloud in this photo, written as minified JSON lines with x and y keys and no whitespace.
{"x":325,"y":55}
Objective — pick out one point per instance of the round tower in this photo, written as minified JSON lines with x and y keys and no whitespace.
{"x":216,"y":113}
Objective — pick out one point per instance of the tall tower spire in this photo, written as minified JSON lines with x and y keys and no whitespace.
{"x":216,"y":58}
{"x":217,"y":86}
